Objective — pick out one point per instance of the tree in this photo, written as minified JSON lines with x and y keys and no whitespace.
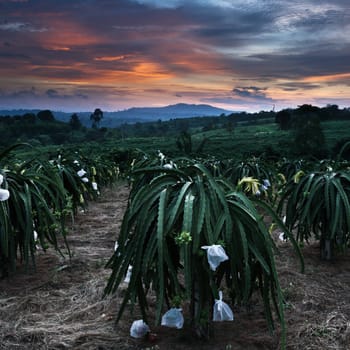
{"x":75,"y":122}
{"x":229,"y":126}
{"x":331,"y":112}
{"x":182,"y":125}
{"x":185,"y":144}
{"x":46,"y":116}
{"x":305,"y":108}
{"x":29,"y":117}
{"x":96,"y":118}
{"x":308,"y":135}
{"x":283,"y":119}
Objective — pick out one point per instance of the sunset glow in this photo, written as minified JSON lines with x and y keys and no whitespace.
{"x":238,"y":55}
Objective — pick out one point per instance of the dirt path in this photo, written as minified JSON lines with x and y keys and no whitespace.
{"x":61,"y":306}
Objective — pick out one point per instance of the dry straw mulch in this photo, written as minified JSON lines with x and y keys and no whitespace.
{"x":60,"y":306}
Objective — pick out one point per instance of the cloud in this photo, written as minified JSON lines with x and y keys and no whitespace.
{"x":250,"y":92}
{"x":110,"y":58}
{"x":21,"y":27}
{"x":332,"y":100}
{"x":20,"y":93}
{"x":13,"y":56}
{"x":52,"y":93}
{"x":37,"y":93}
{"x":240,"y":104}
{"x":241,"y":98}
{"x":154,"y":49}
{"x":297,"y":86}
{"x":160,"y":3}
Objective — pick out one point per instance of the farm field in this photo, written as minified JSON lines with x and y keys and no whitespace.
{"x":243,"y":140}
{"x":260,"y":140}
{"x":175,"y":175}
{"x":60,"y":306}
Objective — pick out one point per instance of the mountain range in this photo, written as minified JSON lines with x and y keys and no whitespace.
{"x":135,"y":114}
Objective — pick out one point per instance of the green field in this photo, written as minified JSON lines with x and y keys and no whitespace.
{"x":246,"y":140}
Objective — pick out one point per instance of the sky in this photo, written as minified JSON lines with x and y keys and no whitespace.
{"x":241,"y":55}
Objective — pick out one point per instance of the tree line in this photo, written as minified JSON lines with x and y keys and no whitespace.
{"x":43,"y":129}
{"x":303,"y":128}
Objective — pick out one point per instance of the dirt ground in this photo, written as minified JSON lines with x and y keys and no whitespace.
{"x":60,"y":306}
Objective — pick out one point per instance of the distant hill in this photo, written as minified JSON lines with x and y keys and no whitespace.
{"x":180,"y":110}
{"x":136,"y":114}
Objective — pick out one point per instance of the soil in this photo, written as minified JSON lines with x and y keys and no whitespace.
{"x":60,"y":305}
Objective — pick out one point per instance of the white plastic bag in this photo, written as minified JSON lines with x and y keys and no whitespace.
{"x":81,"y":172}
{"x":216,"y":254}
{"x":139,"y":329}
{"x":173,"y":318}
{"x":221,"y":311}
{"x":283,"y":237}
{"x":128,"y":274}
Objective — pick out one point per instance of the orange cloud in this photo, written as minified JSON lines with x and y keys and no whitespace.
{"x":328,"y":78}
{"x":59,"y":48}
{"x":65,"y":33}
{"x":111,"y":58}
{"x":151,"y":70}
